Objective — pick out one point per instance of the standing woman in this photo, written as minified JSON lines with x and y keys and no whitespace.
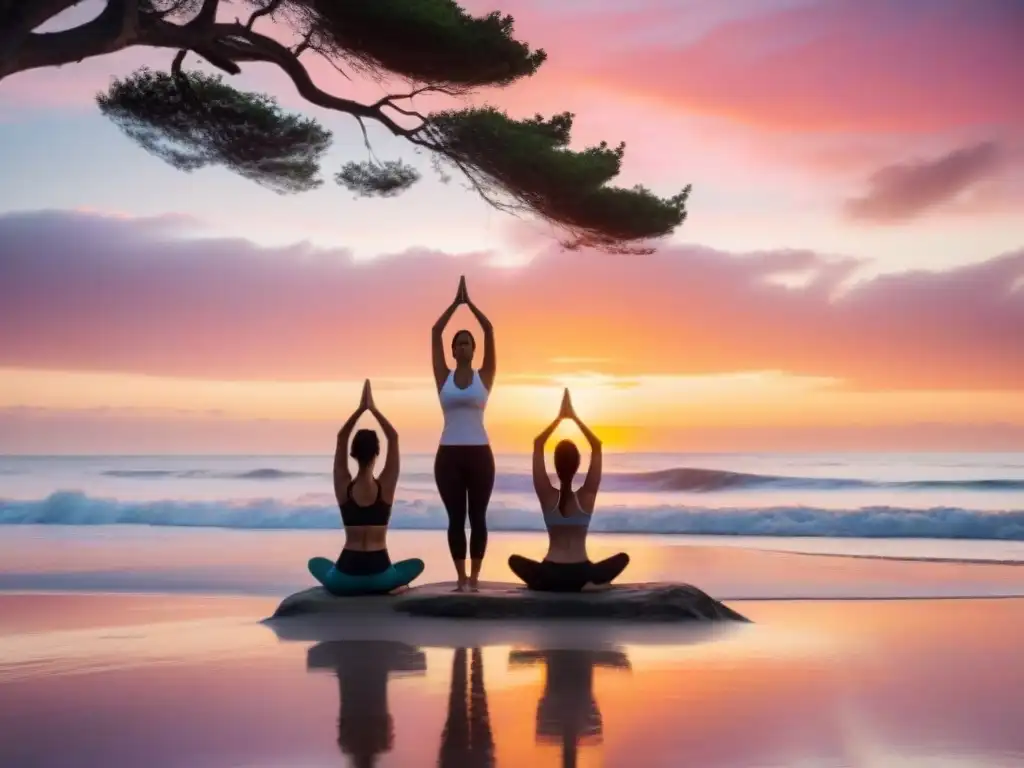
{"x":464,"y":465}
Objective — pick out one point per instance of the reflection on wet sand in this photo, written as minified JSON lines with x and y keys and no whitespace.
{"x":363,"y":667}
{"x":567,"y":713}
{"x":466,"y":741}
{"x":841,"y":683}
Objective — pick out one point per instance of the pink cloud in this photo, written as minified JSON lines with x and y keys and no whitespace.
{"x":871,"y":66}
{"x":906,"y":190}
{"x":89,"y":293}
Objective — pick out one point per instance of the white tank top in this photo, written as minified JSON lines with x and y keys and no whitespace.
{"x":463,"y":412}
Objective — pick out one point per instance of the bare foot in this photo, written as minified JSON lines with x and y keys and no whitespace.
{"x":460,"y":587}
{"x":474,"y":585}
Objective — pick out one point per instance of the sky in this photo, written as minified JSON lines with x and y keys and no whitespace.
{"x":850,"y":277}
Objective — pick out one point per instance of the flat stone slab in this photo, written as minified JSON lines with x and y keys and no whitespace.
{"x":654,"y":602}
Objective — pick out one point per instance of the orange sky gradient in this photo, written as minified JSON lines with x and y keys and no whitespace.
{"x":851,"y":276}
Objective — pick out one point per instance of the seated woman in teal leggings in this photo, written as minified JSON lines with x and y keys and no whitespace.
{"x":364,"y":568}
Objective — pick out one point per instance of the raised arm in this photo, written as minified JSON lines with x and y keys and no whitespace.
{"x":541,"y":481}
{"x":440,"y":362}
{"x":392,"y":462}
{"x":593,"y":482}
{"x":342,"y":477}
{"x":490,"y":363}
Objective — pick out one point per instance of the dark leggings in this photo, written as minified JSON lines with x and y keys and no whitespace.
{"x":354,"y":562}
{"x":566,"y":577}
{"x":465,"y":477}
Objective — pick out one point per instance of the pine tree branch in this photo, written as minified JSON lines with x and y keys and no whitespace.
{"x":387,"y":100}
{"x":207,"y":15}
{"x":302,"y":47}
{"x":18,"y":18}
{"x":268,"y":10}
{"x":257,"y":47}
{"x":116,"y":27}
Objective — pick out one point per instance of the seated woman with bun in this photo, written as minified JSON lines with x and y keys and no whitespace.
{"x":567,"y":514}
{"x":364,"y":567}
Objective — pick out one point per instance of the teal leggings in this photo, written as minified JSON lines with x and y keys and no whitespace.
{"x":345,"y":585}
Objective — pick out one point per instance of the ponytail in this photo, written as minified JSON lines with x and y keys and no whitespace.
{"x":564,"y":495}
{"x":567,"y":463}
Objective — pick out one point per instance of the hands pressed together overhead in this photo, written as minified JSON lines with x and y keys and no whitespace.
{"x":567,"y":411}
{"x":462,"y":297}
{"x":366,"y":401}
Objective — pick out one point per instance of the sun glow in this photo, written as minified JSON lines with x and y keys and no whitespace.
{"x":627,"y":412}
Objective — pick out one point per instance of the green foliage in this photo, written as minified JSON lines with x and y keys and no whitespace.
{"x":377,"y":179}
{"x":529,"y":165}
{"x":195,"y":121}
{"x":427,"y":41}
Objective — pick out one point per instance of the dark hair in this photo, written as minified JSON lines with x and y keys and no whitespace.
{"x":455,"y":338}
{"x":567,"y":461}
{"x":365,"y":447}
{"x":567,"y":464}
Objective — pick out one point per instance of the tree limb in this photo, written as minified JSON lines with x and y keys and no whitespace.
{"x":263,"y":48}
{"x":116,"y":27}
{"x":407,"y":112}
{"x":387,"y":100}
{"x":268,"y":10}
{"x":302,"y":47}
{"x":366,"y":138}
{"x":221,"y":62}
{"x":179,"y":59}
{"x":17,"y":20}
{"x":207,"y":15}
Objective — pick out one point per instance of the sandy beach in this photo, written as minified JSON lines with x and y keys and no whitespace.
{"x":110,"y":656}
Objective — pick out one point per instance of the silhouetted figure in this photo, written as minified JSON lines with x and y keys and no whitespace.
{"x":567,"y":713}
{"x":364,"y":566}
{"x":464,"y":463}
{"x":566,"y":567}
{"x":466,"y":741}
{"x":365,"y":727}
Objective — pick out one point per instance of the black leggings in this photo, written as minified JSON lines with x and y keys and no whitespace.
{"x":566,"y":577}
{"x":465,"y":477}
{"x":356,"y":562}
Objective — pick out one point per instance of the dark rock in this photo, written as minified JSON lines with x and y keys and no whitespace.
{"x":317,"y":600}
{"x":654,"y":602}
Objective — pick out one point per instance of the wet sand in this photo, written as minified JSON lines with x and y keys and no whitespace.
{"x":125,"y":647}
{"x":160,"y":680}
{"x":273,"y":563}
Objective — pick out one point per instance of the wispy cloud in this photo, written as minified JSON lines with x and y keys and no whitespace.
{"x":904,"y":191}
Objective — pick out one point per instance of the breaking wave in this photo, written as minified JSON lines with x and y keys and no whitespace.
{"x":680,"y":479}
{"x":320,"y":512}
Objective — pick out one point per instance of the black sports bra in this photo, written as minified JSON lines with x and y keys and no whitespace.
{"x":377,"y":513}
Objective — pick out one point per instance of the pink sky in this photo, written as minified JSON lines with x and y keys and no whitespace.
{"x":854,"y":238}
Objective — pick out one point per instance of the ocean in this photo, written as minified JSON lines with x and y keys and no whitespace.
{"x":968,"y":496}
